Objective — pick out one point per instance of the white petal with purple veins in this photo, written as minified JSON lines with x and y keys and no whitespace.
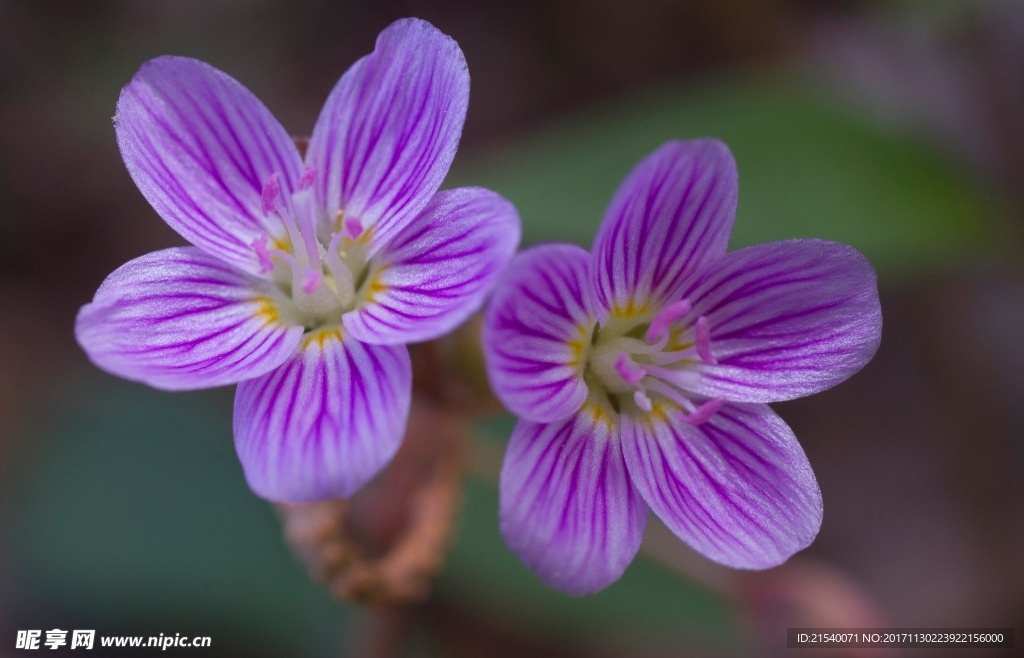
{"x":324,"y":423}
{"x":537,"y":330}
{"x":567,"y":506}
{"x":181,"y":319}
{"x":200,"y":147}
{"x":389,"y":130}
{"x":786,"y":319}
{"x":672,"y":214}
{"x":436,"y":270}
{"x":738,"y":487}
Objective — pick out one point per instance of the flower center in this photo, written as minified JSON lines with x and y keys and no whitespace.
{"x":637,"y":365}
{"x":319,"y":269}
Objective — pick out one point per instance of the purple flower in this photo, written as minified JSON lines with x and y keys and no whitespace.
{"x":641,"y":371}
{"x":307,"y":276}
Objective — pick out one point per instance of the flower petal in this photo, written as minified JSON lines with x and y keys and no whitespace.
{"x":436,"y":271}
{"x":786,"y":319}
{"x":200,"y":147}
{"x":536,"y":330}
{"x":567,"y":507}
{"x":738,"y":488}
{"x":390,"y":128}
{"x":324,"y":423}
{"x":180,"y":319}
{"x":673,"y":214}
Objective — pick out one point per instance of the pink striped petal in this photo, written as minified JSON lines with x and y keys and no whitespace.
{"x":324,"y":423}
{"x":672,"y":215}
{"x":180,"y":319}
{"x":436,"y":270}
{"x":786,"y":319}
{"x":200,"y":147}
{"x":738,"y":488}
{"x":536,"y":331}
{"x":567,"y":507}
{"x":390,"y":128}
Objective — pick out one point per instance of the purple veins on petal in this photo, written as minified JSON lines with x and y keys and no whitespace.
{"x":791,"y":319}
{"x":199,"y":146}
{"x":673,"y":214}
{"x":536,"y":332}
{"x":324,"y":423}
{"x":738,"y":488}
{"x":437,"y":269}
{"x":567,"y":507}
{"x":180,"y":319}
{"x":389,"y":130}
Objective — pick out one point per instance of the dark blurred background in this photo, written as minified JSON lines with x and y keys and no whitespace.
{"x":894,"y":125}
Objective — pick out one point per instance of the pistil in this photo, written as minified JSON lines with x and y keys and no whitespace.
{"x":322,"y":281}
{"x":626,"y":365}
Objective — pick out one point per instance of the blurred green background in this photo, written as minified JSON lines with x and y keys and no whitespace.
{"x":894,"y":126}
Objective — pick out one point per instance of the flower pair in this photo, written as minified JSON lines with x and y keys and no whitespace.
{"x":640,"y":370}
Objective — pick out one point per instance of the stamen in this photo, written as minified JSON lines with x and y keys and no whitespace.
{"x":651,"y":371}
{"x":297,"y":275}
{"x":316,"y":297}
{"x":303,"y":208}
{"x":271,"y":190}
{"x":668,"y":392}
{"x":286,"y":257}
{"x":306,"y":179}
{"x":332,"y":247}
{"x":340,"y":272}
{"x":630,"y":372}
{"x":354,"y":227}
{"x":663,"y":358}
{"x":704,"y":341}
{"x":685,"y":379}
{"x":703,"y":413}
{"x":270,"y":197}
{"x":311,"y":280}
{"x":259,"y":245}
{"x":664,"y":319}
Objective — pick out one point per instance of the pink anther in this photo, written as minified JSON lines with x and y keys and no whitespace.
{"x":311,"y":280}
{"x":664,"y":319}
{"x":271,"y":190}
{"x":354,"y":227}
{"x":704,"y":341}
{"x":306,"y":179}
{"x":630,"y":372}
{"x":703,"y":413}
{"x":259,"y":245}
